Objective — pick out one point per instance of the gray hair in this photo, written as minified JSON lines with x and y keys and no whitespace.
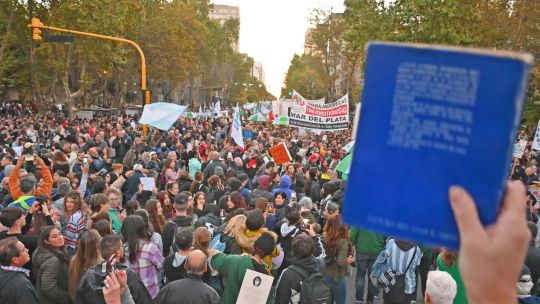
{"x":441,"y":287}
{"x":306,"y":203}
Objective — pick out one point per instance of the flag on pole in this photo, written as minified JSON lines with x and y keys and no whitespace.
{"x":161,"y":115}
{"x":217,"y":109}
{"x":236,"y":132}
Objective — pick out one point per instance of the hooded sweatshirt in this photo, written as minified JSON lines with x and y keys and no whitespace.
{"x":262,"y":191}
{"x":288,"y":284}
{"x":284,"y":186}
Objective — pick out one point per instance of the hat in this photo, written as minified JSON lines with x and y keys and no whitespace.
{"x":137,"y":167}
{"x":254,"y":220}
{"x":264,"y":245}
{"x":218,"y":171}
{"x":312,"y":158}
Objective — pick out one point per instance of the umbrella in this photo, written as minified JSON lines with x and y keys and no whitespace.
{"x":282,"y":120}
{"x":161,"y":115}
{"x":257,"y":117}
{"x":345,"y":164}
{"x":348,"y":146}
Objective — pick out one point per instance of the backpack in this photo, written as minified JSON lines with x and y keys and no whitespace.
{"x":393,"y":284}
{"x":313,"y":288}
{"x":177,"y":229}
{"x":217,"y":244}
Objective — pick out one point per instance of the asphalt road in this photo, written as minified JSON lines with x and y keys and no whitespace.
{"x":351,"y":292}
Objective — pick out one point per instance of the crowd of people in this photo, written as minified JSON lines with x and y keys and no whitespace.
{"x":93,"y":211}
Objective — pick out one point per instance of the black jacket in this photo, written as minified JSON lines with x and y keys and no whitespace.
{"x":89,"y":290}
{"x":289,"y":282}
{"x":131,"y":186}
{"x":170,"y":229}
{"x":191,"y":290}
{"x":51,"y":271}
{"x":16,"y":288}
{"x":532,"y":261}
{"x":208,"y":219}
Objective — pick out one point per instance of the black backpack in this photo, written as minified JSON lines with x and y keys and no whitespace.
{"x":313,"y":288}
{"x":393,"y":283}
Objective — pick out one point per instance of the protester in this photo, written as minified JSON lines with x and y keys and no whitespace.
{"x":440,"y":288}
{"x":15,"y":285}
{"x":180,"y":220}
{"x":368,"y":246}
{"x":87,"y":255}
{"x":143,"y":256}
{"x":174,"y":263}
{"x":191,"y":288}
{"x":90,"y":289}
{"x":448,"y":261}
{"x":51,"y":262}
{"x":233,"y":267}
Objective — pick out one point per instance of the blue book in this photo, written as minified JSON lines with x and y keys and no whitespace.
{"x":433,"y":117}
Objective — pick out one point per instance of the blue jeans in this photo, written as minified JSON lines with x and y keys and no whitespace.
{"x":339,"y":289}
{"x":364,"y":264}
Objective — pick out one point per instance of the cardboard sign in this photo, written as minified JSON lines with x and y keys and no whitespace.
{"x":255,"y":288}
{"x":280,"y":154}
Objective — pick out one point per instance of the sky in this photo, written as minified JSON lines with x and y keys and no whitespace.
{"x":272,"y":31}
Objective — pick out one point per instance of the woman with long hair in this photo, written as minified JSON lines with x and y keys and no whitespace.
{"x":235,"y":201}
{"x":50,"y":262}
{"x":215,"y":190}
{"x":448,"y":261}
{"x":60,"y":162}
{"x":197,"y":185}
{"x":169,"y":171}
{"x":200,"y":203}
{"x":201,"y":241}
{"x":154,"y":236}
{"x":143,"y":256}
{"x":173,"y":189}
{"x":166,"y":204}
{"x":87,"y":255}
{"x":228,"y":235}
{"x":337,"y":257}
{"x":155,"y":215}
{"x":74,"y":222}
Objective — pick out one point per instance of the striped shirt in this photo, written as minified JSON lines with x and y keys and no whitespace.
{"x":74,"y":227}
{"x":148,"y":266}
{"x":398,"y":260}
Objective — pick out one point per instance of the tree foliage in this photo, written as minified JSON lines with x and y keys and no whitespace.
{"x":493,"y":24}
{"x":179,"y":41}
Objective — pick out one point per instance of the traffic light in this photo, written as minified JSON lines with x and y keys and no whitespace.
{"x":35,"y":25}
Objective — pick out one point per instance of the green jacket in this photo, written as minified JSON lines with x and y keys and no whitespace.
{"x":366,"y":242}
{"x":461,"y":295}
{"x":116,"y":223}
{"x":232,"y":268}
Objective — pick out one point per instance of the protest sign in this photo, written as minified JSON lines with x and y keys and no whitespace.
{"x":148,"y":183}
{"x":536,"y":141}
{"x":519,"y":148}
{"x":431,"y":109}
{"x":280,"y":154}
{"x":326,"y":117}
{"x":255,"y":288}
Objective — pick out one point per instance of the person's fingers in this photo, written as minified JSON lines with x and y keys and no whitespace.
{"x":511,"y":221}
{"x":466,"y":215}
